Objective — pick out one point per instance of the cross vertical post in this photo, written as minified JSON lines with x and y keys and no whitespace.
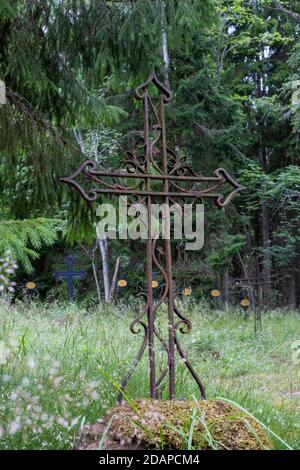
{"x":171,"y":337}
{"x":151,"y":338}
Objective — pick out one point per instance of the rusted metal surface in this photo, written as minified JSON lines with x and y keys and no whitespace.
{"x":89,"y":171}
{"x":150,"y":162}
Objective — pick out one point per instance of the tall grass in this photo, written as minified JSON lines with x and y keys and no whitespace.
{"x":52,"y":359}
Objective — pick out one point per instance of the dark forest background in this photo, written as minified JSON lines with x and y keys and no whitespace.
{"x":70,"y":68}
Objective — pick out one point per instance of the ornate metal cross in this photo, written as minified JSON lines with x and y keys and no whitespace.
{"x":154,"y":162}
{"x":70,"y":274}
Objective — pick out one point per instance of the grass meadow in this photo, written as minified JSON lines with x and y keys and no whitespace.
{"x":52,"y":359}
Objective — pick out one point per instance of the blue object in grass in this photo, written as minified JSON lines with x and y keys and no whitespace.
{"x":69,"y":275}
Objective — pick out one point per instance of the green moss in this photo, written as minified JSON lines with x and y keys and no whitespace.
{"x":168,"y":424}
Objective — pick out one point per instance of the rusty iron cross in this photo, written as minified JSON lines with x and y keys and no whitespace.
{"x":152,"y":162}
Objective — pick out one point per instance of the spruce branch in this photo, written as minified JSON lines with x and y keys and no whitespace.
{"x":278,"y":6}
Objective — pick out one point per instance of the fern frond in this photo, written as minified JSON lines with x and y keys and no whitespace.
{"x":24,"y":238}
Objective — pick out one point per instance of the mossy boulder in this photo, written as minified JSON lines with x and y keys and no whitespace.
{"x":152,"y":424}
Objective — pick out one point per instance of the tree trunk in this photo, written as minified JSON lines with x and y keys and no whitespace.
{"x":267,"y":263}
{"x":91,"y":255}
{"x":165,"y":51}
{"x":261,"y":91}
{"x":250,"y":266}
{"x":103,"y":246}
{"x":266,"y":241}
{"x":114,"y":281}
{"x":226,"y":283}
{"x":291,"y":290}
{"x":297,"y":275}
{"x":96,"y":281}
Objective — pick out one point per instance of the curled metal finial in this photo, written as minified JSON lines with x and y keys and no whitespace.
{"x":140,"y":90}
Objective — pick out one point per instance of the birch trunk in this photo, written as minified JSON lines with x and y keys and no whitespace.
{"x":114,"y":281}
{"x":226,"y":283}
{"x":96,"y":282}
{"x":165,"y":51}
{"x":103,"y":246}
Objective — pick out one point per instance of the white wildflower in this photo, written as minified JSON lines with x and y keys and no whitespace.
{"x":94,"y":395}
{"x":13,"y":342}
{"x":6,"y":378}
{"x":31,"y":363}
{"x":4,"y":353}
{"x":57,"y":381}
{"x":74,"y":421}
{"x":25,"y":395}
{"x":93,"y":384}
{"x":63,"y":422}
{"x":13,"y":427}
{"x":13,"y":396}
{"x":25,"y":382}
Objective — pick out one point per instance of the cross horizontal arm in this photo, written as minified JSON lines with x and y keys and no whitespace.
{"x":90,"y":173}
{"x":93,"y":193}
{"x":71,"y":274}
{"x":124,"y":174}
{"x":129,"y":192}
{"x":88,"y":169}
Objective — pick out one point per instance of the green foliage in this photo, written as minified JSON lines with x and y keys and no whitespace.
{"x":23,"y":238}
{"x":223,"y":254}
{"x":280,"y":191}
